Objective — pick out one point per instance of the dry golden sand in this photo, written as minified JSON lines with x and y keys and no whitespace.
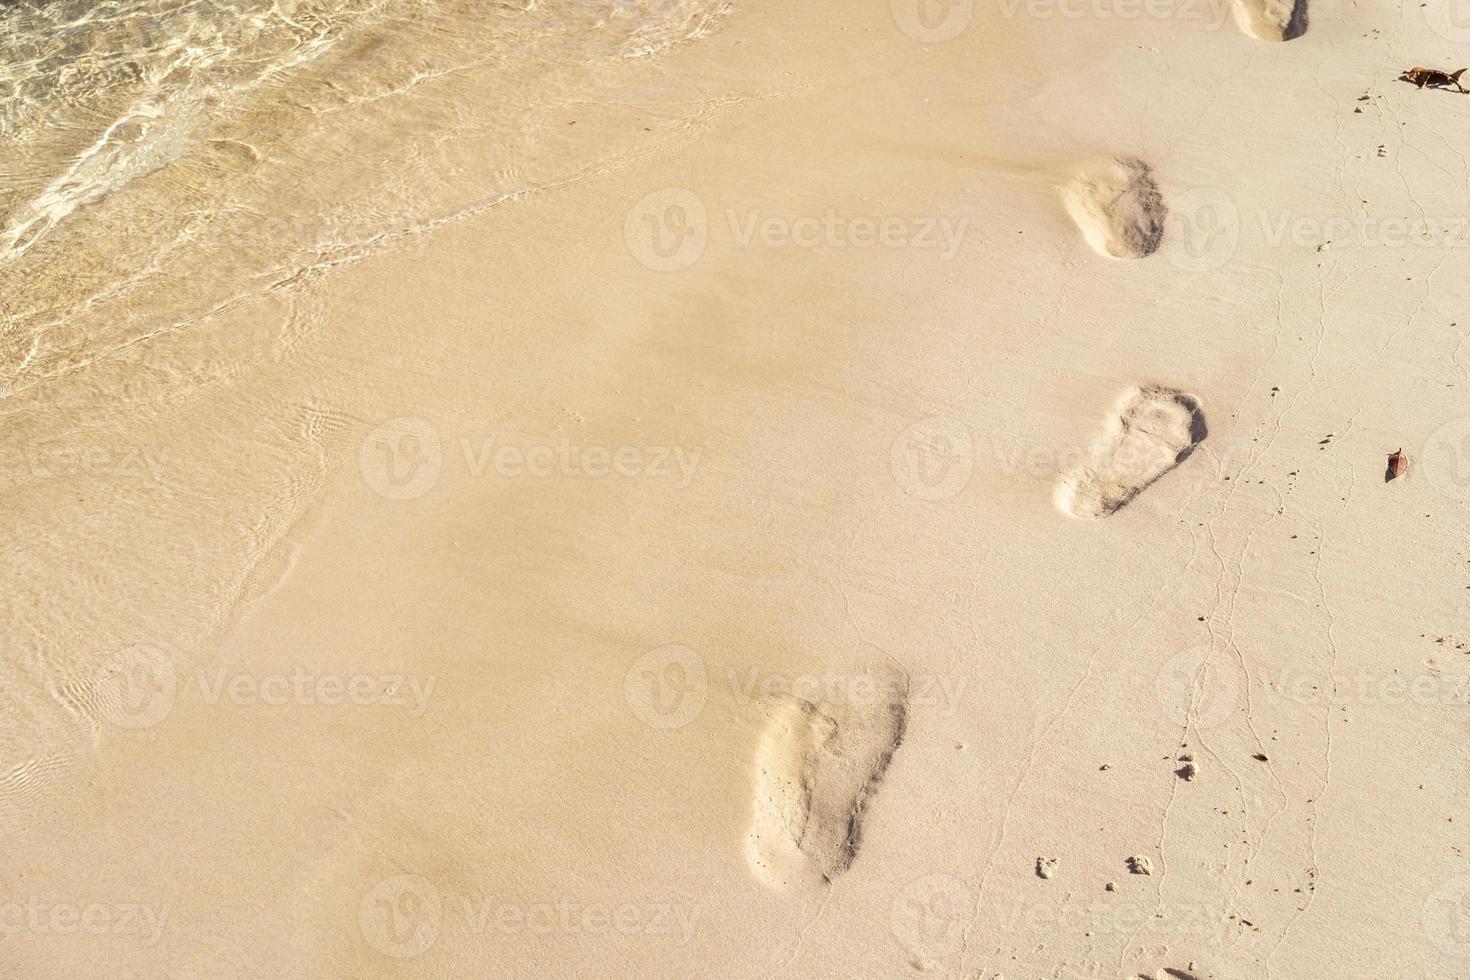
{"x":567,"y":504}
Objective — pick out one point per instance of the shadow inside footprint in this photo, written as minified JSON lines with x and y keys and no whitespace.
{"x":1197,"y":430}
{"x":1297,"y":25}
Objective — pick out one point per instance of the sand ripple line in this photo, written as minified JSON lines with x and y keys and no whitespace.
{"x":27,"y":780}
{"x":816,"y":770}
{"x":1118,"y":207}
{"x":1154,"y":430}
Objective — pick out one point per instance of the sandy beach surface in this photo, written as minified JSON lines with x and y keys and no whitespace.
{"x":675,"y":489}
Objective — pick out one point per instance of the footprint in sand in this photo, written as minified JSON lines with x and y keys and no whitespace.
{"x":816,"y":769}
{"x":1118,"y":207}
{"x":1153,"y":430}
{"x":1271,"y":20}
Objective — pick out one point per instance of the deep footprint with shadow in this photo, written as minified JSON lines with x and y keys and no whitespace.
{"x":1117,"y":206}
{"x":816,"y":770}
{"x":1271,"y":20}
{"x":1153,"y":430}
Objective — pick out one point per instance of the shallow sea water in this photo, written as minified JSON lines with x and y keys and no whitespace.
{"x":175,"y":176}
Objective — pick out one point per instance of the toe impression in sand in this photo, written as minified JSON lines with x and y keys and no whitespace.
{"x":1117,"y":206}
{"x":1153,"y":430}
